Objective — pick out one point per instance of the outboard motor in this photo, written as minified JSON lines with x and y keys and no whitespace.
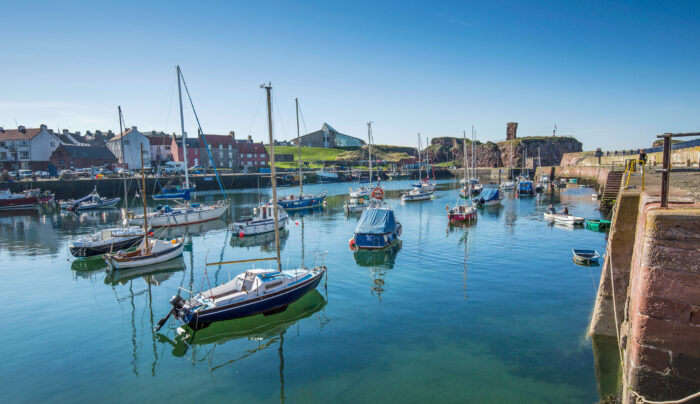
{"x":178,"y":303}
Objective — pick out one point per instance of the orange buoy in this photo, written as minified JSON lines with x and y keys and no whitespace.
{"x":378,"y":193}
{"x":241,"y":234}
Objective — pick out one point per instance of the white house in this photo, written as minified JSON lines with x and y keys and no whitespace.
{"x":26,"y":148}
{"x":132,"y":139}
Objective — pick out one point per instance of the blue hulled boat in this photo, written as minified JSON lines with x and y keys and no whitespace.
{"x":378,"y":228}
{"x":174,"y":193}
{"x":305,"y":201}
{"x":489,"y":197}
{"x":525,"y":188}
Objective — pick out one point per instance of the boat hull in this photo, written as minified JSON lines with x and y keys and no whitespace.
{"x":258,"y":227}
{"x":18,"y":203}
{"x":304,"y":203}
{"x":263,"y":304}
{"x":461,"y":217}
{"x":365,"y":241}
{"x":104,"y":204}
{"x":177,"y":218}
{"x":95,"y":250}
{"x":156,"y":258}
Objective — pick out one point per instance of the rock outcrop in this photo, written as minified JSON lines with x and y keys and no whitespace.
{"x":489,"y":154}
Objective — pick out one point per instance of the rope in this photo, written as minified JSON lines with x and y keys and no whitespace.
{"x":622,"y":362}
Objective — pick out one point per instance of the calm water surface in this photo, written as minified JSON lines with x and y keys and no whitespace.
{"x":495,"y":312}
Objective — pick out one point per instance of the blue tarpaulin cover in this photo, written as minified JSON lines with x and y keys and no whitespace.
{"x":489,"y":194}
{"x":525,"y":185}
{"x":377,"y":221}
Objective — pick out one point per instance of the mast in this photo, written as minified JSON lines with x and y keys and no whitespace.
{"x":273,"y":176}
{"x":143,"y":198}
{"x":121,"y":131}
{"x":473,"y":171}
{"x":419,"y":153}
{"x":464,"y":152}
{"x":182,"y":128}
{"x":369,"y":146}
{"x":301,"y":175}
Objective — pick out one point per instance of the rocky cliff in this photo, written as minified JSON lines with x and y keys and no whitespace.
{"x":550,"y":148}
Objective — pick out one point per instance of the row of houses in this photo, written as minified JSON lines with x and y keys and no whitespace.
{"x":43,"y":149}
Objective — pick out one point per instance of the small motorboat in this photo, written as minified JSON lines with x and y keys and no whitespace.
{"x":105,"y":241}
{"x":539,"y":187}
{"x":362,"y":192}
{"x":524,"y":188}
{"x":563,"y":218}
{"x":489,"y":197}
{"x":262,"y":222}
{"x":377,"y":228}
{"x":418,"y":193}
{"x":356,"y":205}
{"x":598,"y":225}
{"x":585,"y":257}
{"x":461,"y":213}
{"x":508,"y":185}
{"x":25,"y":200}
{"x":91,"y":201}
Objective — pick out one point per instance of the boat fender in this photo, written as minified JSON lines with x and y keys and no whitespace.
{"x":241,"y":234}
{"x":173,"y":241}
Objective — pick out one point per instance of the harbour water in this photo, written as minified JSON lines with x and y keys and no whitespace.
{"x":494,"y":312}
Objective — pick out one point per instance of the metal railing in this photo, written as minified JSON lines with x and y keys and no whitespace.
{"x":666,"y":165}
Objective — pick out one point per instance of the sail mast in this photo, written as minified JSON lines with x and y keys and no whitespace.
{"x":464,"y":152}
{"x":143,"y":197}
{"x":369,"y":146}
{"x":419,"y":153}
{"x":273,"y":176}
{"x":301,"y":175}
{"x":121,"y":138}
{"x":182,"y":128}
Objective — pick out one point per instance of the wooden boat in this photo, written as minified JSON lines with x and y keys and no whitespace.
{"x":150,"y":251}
{"x":598,"y":225}
{"x":585,"y":257}
{"x":253,"y":291}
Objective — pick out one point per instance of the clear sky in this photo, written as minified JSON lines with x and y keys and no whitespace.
{"x":613,"y":74}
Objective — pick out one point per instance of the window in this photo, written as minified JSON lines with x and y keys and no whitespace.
{"x":126,"y":142}
{"x":2,"y":144}
{"x":229,"y":147}
{"x":167,"y":147}
{"x":241,"y":155}
{"x":249,"y":163}
{"x":53,"y":144}
{"x":24,"y":143}
{"x":24,"y":154}
{"x":3,"y":156}
{"x":250,"y":155}
{"x":221,"y":146}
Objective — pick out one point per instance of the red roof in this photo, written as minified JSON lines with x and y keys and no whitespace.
{"x":257,"y":148}
{"x":16,"y":134}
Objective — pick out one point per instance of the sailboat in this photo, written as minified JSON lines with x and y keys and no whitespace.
{"x":423,"y":189}
{"x":466,"y":212}
{"x":360,"y":199}
{"x":303,"y":201}
{"x":255,"y":290}
{"x":165,"y":215}
{"x":509,"y":184}
{"x":108,"y":240}
{"x":150,"y":251}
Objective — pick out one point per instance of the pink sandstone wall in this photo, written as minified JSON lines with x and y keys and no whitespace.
{"x":662,"y":329}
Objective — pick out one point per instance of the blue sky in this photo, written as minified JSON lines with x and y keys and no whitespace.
{"x":613,"y":74}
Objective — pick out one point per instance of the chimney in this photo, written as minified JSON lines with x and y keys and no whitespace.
{"x":232,"y":134}
{"x":98,"y":132}
{"x":64,"y":131}
{"x":77,"y":133}
{"x":2,"y":130}
{"x":250,"y":138}
{"x":42,"y":127}
{"x":133,"y":128}
{"x":22,"y":129}
{"x":88,"y":133}
{"x":110,"y":133}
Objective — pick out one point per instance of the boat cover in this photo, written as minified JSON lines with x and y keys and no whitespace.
{"x":525,"y":186}
{"x":489,"y":194}
{"x":377,"y":221}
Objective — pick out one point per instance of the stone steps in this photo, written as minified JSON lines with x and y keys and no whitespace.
{"x":613,"y":184}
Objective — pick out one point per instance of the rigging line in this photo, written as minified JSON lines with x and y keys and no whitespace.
{"x":206,"y":144}
{"x":279,"y":117}
{"x":170,"y":105}
{"x":303,"y":121}
{"x":257,"y":109}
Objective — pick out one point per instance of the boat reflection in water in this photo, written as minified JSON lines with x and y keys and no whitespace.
{"x":266,"y":241}
{"x":153,"y":274}
{"x":88,"y":268}
{"x":379,"y":262}
{"x":190,"y":229}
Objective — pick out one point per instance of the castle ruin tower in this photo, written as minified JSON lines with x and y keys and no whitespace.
{"x":511,"y":130}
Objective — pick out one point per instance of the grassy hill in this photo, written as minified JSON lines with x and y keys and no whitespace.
{"x":379,"y":152}
{"x":310,"y":154}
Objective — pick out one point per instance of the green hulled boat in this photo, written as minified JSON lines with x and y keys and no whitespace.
{"x":598,"y":225}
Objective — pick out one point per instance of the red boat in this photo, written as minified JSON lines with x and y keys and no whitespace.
{"x":461,"y":213}
{"x":25,"y":200}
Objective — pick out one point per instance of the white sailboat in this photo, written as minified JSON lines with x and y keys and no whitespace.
{"x":183,"y":215}
{"x":254,"y":291}
{"x":150,"y":251}
{"x":423,"y":189}
{"x":360,"y":198}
